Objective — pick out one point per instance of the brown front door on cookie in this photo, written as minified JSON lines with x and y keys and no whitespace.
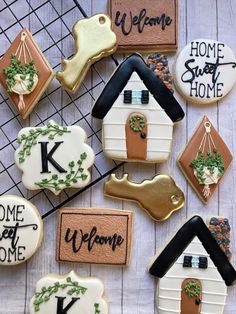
{"x":136,"y":136}
{"x":191,"y":296}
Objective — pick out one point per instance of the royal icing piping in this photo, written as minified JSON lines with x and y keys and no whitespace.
{"x":21,"y":230}
{"x":24,"y":72}
{"x":68,"y":294}
{"x":59,"y":157}
{"x":95,"y":236}
{"x":140,"y":124}
{"x":194,"y":272}
{"x":205,"y":71}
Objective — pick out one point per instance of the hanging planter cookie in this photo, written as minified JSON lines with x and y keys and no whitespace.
{"x":205,"y":159}
{"x":25,"y":72}
{"x":54,"y":157}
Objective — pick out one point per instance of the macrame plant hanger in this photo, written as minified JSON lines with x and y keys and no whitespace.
{"x":23,"y":51}
{"x":207,"y":141}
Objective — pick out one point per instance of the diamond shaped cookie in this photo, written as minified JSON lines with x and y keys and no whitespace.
{"x":25,"y":73}
{"x":205,"y":160}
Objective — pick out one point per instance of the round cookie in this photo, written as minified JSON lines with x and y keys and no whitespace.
{"x":21,"y":230}
{"x":205,"y":71}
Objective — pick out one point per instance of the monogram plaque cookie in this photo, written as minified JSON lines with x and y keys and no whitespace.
{"x":145,"y":25}
{"x":95,"y":236}
{"x":69,"y":294}
{"x":25,"y":73}
{"x":54,"y":157}
{"x":21,"y":230}
{"x":205,"y":71}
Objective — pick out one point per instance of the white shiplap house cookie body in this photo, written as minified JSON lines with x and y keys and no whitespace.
{"x":159,"y":126}
{"x":214,"y":289}
{"x":134,"y":93}
{"x":193,"y":271}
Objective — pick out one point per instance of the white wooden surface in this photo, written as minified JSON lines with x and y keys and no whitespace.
{"x":132,"y":290}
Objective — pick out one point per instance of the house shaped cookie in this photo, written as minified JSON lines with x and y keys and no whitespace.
{"x":138,"y":113}
{"x":194,"y":272}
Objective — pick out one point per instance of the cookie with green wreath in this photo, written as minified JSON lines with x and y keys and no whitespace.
{"x":54,"y":157}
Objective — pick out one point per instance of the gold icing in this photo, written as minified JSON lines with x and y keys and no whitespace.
{"x":94,"y":39}
{"x":159,"y":197}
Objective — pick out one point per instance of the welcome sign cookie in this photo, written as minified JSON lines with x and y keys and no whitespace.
{"x":145,"y":25}
{"x":95,"y":236}
{"x":69,"y":294}
{"x":205,"y":71}
{"x":54,"y":157}
{"x":21,"y":230}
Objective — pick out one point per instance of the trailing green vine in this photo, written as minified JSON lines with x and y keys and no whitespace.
{"x":28,"y":141}
{"x":137,"y":123}
{"x":26,"y":71}
{"x":45,"y":294}
{"x":96,"y":308}
{"x":193,"y":288}
{"x":211,"y":161}
{"x":75,"y":174}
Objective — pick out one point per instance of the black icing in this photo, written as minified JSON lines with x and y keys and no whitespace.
{"x":118,"y":81}
{"x":193,"y":227}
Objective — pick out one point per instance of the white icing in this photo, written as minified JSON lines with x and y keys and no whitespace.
{"x":85,"y":305}
{"x":159,"y":125}
{"x":225,"y":76}
{"x":74,"y":144}
{"x":20,"y":216}
{"x":214,"y":290}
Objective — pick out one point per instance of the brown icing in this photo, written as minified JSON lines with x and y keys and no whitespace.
{"x":154,"y":24}
{"x":188,"y":304}
{"x":41,"y":64}
{"x":189,"y":154}
{"x":136,"y":142}
{"x":102,"y":236}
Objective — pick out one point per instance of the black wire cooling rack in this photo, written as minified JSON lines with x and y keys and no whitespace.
{"x":74,"y":109}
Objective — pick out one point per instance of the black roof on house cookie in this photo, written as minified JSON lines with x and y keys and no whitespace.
{"x":193,"y":227}
{"x":119,"y":79}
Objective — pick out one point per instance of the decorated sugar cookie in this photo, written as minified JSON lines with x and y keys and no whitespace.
{"x":94,"y":39}
{"x":205,"y":71}
{"x":145,"y":25}
{"x":205,"y":160}
{"x":158,"y":63}
{"x":138,"y":113}
{"x":94,"y":236}
{"x":25,"y":73}
{"x":159,"y":197}
{"x":68,"y":294}
{"x":193,"y":272}
{"x":54,"y":157}
{"x":21,"y":230}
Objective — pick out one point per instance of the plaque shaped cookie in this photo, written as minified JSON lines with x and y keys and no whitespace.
{"x":21,"y":230}
{"x":94,"y":39}
{"x":205,"y":160}
{"x":145,"y":25}
{"x":69,"y":294}
{"x":25,"y":73}
{"x":95,"y":236}
{"x":193,"y":272}
{"x":205,"y":71}
{"x":138,"y":113}
{"x":159,"y":197}
{"x":54,"y":157}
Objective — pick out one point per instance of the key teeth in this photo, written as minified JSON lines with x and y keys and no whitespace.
{"x":59,"y":76}
{"x":114,"y":178}
{"x":64,"y":63}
